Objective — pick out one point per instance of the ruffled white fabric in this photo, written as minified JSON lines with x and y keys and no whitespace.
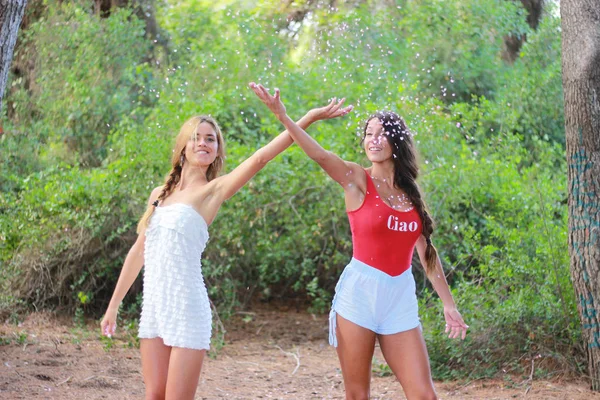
{"x":176,"y":306}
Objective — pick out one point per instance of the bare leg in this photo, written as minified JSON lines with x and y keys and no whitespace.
{"x":155,"y":367}
{"x":406,"y":354}
{"x":184,"y":372}
{"x":355,"y":351}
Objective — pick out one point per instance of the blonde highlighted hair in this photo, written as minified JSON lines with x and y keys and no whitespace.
{"x":188,"y":130}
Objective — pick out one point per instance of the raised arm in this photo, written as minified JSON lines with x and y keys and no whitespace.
{"x":227,"y":185}
{"x":341,"y":171}
{"x":455,"y":325}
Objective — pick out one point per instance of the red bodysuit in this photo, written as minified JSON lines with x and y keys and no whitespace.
{"x":382,"y":237}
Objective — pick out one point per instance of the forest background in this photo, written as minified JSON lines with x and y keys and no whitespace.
{"x":97,"y":94}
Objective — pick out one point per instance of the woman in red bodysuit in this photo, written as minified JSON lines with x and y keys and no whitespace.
{"x":375,"y":296}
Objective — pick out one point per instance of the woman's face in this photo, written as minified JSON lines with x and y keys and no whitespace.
{"x":203,"y":146}
{"x":376,"y":144}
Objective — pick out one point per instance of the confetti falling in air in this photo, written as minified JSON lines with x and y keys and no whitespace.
{"x":312,"y":53}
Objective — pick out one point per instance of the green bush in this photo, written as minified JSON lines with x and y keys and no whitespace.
{"x":89,"y":74}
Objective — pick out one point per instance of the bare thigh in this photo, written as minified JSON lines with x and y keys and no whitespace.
{"x":184,"y":372}
{"x":355,"y":351}
{"x":155,"y":366}
{"x":406,"y":354}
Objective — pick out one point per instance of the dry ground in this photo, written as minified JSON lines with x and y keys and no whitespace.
{"x":268,"y":354}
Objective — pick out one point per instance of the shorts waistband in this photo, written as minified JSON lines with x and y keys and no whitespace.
{"x":368,"y":270}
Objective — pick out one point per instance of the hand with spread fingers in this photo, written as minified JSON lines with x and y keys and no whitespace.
{"x":273,"y":102}
{"x":455,"y":325}
{"x":332,"y":110}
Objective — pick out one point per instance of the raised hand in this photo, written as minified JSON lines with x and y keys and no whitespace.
{"x":455,"y":325}
{"x":273,"y":102}
{"x":333,"y":110}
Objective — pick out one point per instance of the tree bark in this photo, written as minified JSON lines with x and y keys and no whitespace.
{"x":580,"y":20}
{"x":11,"y":14}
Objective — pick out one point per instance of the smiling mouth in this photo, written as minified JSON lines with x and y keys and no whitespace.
{"x":374,"y":149}
{"x":202,"y":152}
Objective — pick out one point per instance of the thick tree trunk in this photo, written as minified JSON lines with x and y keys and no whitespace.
{"x":581,"y":82}
{"x":11,"y":14}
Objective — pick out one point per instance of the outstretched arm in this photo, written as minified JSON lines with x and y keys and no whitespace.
{"x":455,"y":325}
{"x":228,"y":185}
{"x":336,"y":168}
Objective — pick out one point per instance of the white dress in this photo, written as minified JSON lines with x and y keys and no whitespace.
{"x":175,"y":306}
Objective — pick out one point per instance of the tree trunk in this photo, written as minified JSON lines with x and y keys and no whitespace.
{"x":11,"y":14}
{"x":580,"y":21}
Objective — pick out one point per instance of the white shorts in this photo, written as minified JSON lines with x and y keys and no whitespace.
{"x":374,"y":300}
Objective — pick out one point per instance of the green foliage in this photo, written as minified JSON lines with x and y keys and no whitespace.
{"x":79,"y":317}
{"x":381,"y":368}
{"x":130,"y":328}
{"x":509,"y":262}
{"x":21,"y":338}
{"x":90,"y":73}
{"x":91,"y":134}
{"x":107,"y":342}
{"x":538,"y":115}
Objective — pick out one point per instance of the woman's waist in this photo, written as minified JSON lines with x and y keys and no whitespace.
{"x":379,"y":269}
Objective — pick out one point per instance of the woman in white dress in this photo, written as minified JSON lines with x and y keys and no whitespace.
{"x":175,"y":324}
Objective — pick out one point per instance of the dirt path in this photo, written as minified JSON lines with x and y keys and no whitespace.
{"x":270,"y":354}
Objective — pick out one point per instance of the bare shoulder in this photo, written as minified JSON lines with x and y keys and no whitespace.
{"x":357,"y":176}
{"x":154,"y":194}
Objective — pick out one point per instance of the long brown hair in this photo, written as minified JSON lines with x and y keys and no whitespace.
{"x":188,"y":130}
{"x":406,"y":171}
